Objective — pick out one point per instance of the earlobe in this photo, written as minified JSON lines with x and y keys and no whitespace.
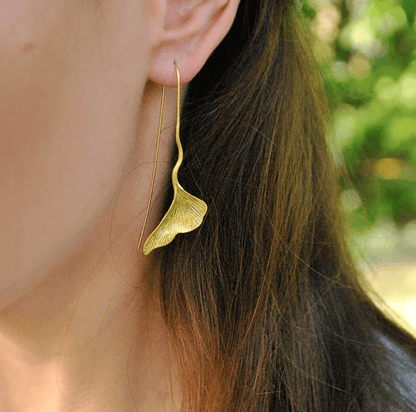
{"x":193,"y":29}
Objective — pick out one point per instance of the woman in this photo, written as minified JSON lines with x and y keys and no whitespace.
{"x":259,"y":308}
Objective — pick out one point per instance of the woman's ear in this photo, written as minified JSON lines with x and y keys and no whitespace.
{"x":188,"y":32}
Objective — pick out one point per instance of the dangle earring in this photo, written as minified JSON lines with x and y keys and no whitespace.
{"x":186,"y":211}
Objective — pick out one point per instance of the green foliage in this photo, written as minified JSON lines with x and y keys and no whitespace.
{"x":368,"y":49}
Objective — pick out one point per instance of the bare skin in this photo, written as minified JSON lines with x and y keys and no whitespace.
{"x":80,"y":328}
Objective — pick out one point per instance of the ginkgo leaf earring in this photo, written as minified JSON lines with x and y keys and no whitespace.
{"x":186,"y":212}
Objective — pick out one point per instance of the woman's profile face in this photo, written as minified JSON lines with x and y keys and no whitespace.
{"x":80,"y":91}
{"x":64,"y":118}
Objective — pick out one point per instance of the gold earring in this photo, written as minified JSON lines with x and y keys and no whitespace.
{"x":186,"y":211}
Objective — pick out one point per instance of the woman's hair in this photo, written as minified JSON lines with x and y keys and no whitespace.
{"x":262,"y":304}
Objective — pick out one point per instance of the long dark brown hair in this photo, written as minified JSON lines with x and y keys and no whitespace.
{"x":262,"y":304}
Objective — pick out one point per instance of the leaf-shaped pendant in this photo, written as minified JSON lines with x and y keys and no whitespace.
{"x":186,"y":211}
{"x":184,"y":215}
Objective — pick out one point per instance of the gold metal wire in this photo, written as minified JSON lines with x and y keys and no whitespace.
{"x":154,"y":167}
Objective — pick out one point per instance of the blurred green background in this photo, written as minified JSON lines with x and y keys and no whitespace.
{"x":367,"y":49}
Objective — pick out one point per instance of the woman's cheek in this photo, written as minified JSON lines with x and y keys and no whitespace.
{"x":59,"y":159}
